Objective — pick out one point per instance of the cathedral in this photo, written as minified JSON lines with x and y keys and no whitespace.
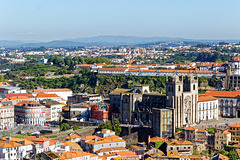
{"x":136,"y":106}
{"x":182,"y":97}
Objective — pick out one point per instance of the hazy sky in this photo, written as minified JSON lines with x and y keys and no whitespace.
{"x":45,"y":20}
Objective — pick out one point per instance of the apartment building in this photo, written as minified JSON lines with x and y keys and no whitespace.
{"x":183,"y":146}
{"x":15,"y":148}
{"x":235,"y":132}
{"x":222,"y":137}
{"x":207,"y":108}
{"x":6,"y":116}
{"x":63,"y":93}
{"x":29,"y":112}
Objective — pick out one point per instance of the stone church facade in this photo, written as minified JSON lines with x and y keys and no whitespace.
{"x":182,"y":97}
{"x":136,"y":106}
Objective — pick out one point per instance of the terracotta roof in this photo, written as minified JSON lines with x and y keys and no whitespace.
{"x":19,"y":98}
{"x":190,"y":129}
{"x":195,"y":156}
{"x":52,"y":142}
{"x":9,"y":144}
{"x":26,"y":103}
{"x":89,"y":138}
{"x":35,"y":139}
{"x":179,"y":142}
{"x":237,"y":125}
{"x":43,"y":95}
{"x":16,"y":95}
{"x":232,"y":94}
{"x":136,"y":147}
{"x":4,"y":84}
{"x":112,"y":149}
{"x":201,"y":130}
{"x":236,"y":59}
{"x":172,"y":154}
{"x":206,"y":98}
{"x":74,"y":154}
{"x":126,"y":153}
{"x":73,"y":136}
{"x":156,"y":139}
{"x":226,"y":132}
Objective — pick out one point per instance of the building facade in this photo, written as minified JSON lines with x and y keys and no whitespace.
{"x":207,"y":108}
{"x":29,"y":112}
{"x":163,"y":122}
{"x":222,"y":137}
{"x":6,"y":117}
{"x":182,"y":96}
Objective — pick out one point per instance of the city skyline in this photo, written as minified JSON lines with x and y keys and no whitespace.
{"x":58,"y":20}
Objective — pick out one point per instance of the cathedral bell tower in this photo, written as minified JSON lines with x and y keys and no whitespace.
{"x":182,"y":96}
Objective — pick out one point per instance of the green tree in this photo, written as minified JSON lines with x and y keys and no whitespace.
{"x":158,"y":144}
{"x":64,"y":127}
{"x":223,"y":152}
{"x":116,"y":126}
{"x":75,"y":128}
{"x":233,"y":155}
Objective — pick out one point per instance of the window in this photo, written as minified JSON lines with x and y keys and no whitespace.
{"x":194,"y":87}
{"x":179,"y":88}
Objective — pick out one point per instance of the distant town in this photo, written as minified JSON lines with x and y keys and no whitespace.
{"x":168,"y":101}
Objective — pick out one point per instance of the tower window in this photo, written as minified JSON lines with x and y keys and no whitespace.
{"x":179,"y":88}
{"x":194,"y":87}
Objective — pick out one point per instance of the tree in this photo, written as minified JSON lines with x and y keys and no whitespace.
{"x":64,"y":127}
{"x":116,"y":126}
{"x":233,"y":155}
{"x":75,"y":128}
{"x":223,"y":152}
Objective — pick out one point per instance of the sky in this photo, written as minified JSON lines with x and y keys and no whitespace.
{"x":47,"y":20}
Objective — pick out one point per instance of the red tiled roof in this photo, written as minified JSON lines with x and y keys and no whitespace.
{"x":223,"y":93}
{"x":206,"y":98}
{"x":237,"y":125}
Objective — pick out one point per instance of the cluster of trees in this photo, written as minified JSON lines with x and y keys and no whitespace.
{"x":64,"y":127}
{"x":114,"y":126}
{"x":38,"y":70}
{"x":209,"y":57}
{"x":230,"y":152}
{"x":73,"y":61}
{"x":90,"y":82}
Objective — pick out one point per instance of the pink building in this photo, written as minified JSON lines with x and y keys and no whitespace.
{"x":30,"y":112}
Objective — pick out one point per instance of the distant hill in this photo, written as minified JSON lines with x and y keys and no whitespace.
{"x":103,"y":41}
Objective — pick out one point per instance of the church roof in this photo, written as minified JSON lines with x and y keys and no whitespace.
{"x":121,"y":90}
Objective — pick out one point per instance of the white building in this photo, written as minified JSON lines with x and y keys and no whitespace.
{"x":6,"y":88}
{"x":41,"y":96}
{"x":6,"y":116}
{"x":227,"y":101}
{"x":29,"y":112}
{"x":55,"y":107}
{"x":63,"y":92}
{"x":207,"y":108}
{"x":95,"y":143}
{"x":15,"y":148}
{"x":43,"y":61}
{"x":235,"y":65}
